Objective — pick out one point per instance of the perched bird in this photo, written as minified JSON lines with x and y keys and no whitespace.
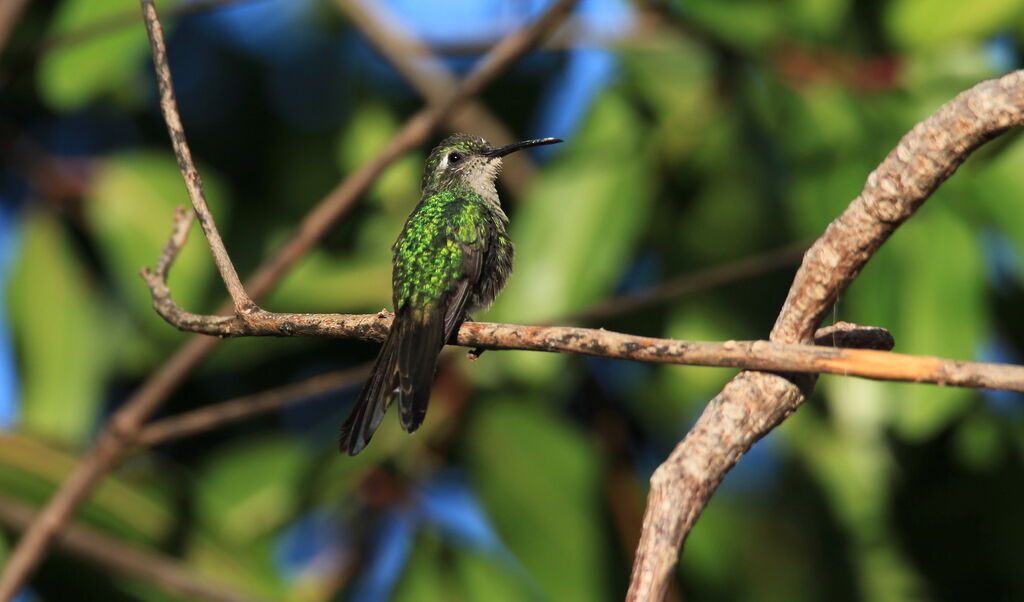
{"x":452,"y":258}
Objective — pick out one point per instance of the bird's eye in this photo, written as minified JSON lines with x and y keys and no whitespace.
{"x":454,"y":157}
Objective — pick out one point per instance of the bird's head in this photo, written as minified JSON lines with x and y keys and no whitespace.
{"x":465,"y":160}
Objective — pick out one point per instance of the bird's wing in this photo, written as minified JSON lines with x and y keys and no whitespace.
{"x":457,"y":304}
{"x":465,"y":234}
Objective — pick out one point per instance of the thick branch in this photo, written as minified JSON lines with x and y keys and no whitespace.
{"x":754,"y":403}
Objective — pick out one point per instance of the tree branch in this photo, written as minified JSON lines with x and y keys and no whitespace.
{"x":434,"y":81}
{"x":690,"y":283}
{"x":754,"y":403}
{"x":193,"y":181}
{"x":750,"y":355}
{"x":10,"y":13}
{"x":121,"y":429}
{"x":126,"y":558}
{"x":216,"y":415}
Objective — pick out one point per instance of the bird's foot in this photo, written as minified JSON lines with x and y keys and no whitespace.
{"x":475,"y":353}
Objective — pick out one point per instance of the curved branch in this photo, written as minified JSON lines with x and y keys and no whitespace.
{"x":754,"y":403}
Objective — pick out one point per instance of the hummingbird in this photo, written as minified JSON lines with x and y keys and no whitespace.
{"x":452,"y":258}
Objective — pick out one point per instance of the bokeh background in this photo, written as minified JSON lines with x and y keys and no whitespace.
{"x":699,"y":133}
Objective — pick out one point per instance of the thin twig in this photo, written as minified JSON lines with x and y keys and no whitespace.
{"x":688,"y":284}
{"x":193,"y":181}
{"x":121,"y":429}
{"x":217,"y":415}
{"x":10,"y":13}
{"x":754,"y":403}
{"x":434,"y":82}
{"x":126,"y":558}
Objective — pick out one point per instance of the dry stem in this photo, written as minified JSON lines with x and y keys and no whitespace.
{"x":754,"y":403}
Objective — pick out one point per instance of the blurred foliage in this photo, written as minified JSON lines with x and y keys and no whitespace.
{"x":70,"y":78}
{"x":726,"y":130}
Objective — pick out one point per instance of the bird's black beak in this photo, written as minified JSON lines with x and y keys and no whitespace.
{"x":501,"y":151}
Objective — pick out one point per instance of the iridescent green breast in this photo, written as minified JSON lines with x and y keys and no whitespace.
{"x":430,"y":255}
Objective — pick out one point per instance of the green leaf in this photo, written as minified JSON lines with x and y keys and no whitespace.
{"x":250,"y":568}
{"x":979,"y":442}
{"x":854,"y":468}
{"x":371,"y":127}
{"x":4,"y":548}
{"x":675,"y":76}
{"x":575,"y":230}
{"x":129,"y":210}
{"x":820,"y":19}
{"x":135,"y":510}
{"x":929,"y":23}
{"x":485,"y":578}
{"x":31,"y":471}
{"x":61,"y":333}
{"x":426,"y":577}
{"x":931,"y":296}
{"x":250,"y":487}
{"x":827,"y":127}
{"x":73,"y":75}
{"x":817,"y":197}
{"x":682,"y":390}
{"x":997,"y":189}
{"x":943,"y":312}
{"x":441,"y":572}
{"x":541,"y":484}
{"x":322,"y":283}
{"x":750,"y":24}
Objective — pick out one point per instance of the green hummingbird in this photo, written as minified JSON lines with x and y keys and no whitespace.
{"x":452,"y":257}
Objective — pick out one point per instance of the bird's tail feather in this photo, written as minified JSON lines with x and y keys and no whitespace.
{"x":420,"y":344}
{"x":373,"y":400}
